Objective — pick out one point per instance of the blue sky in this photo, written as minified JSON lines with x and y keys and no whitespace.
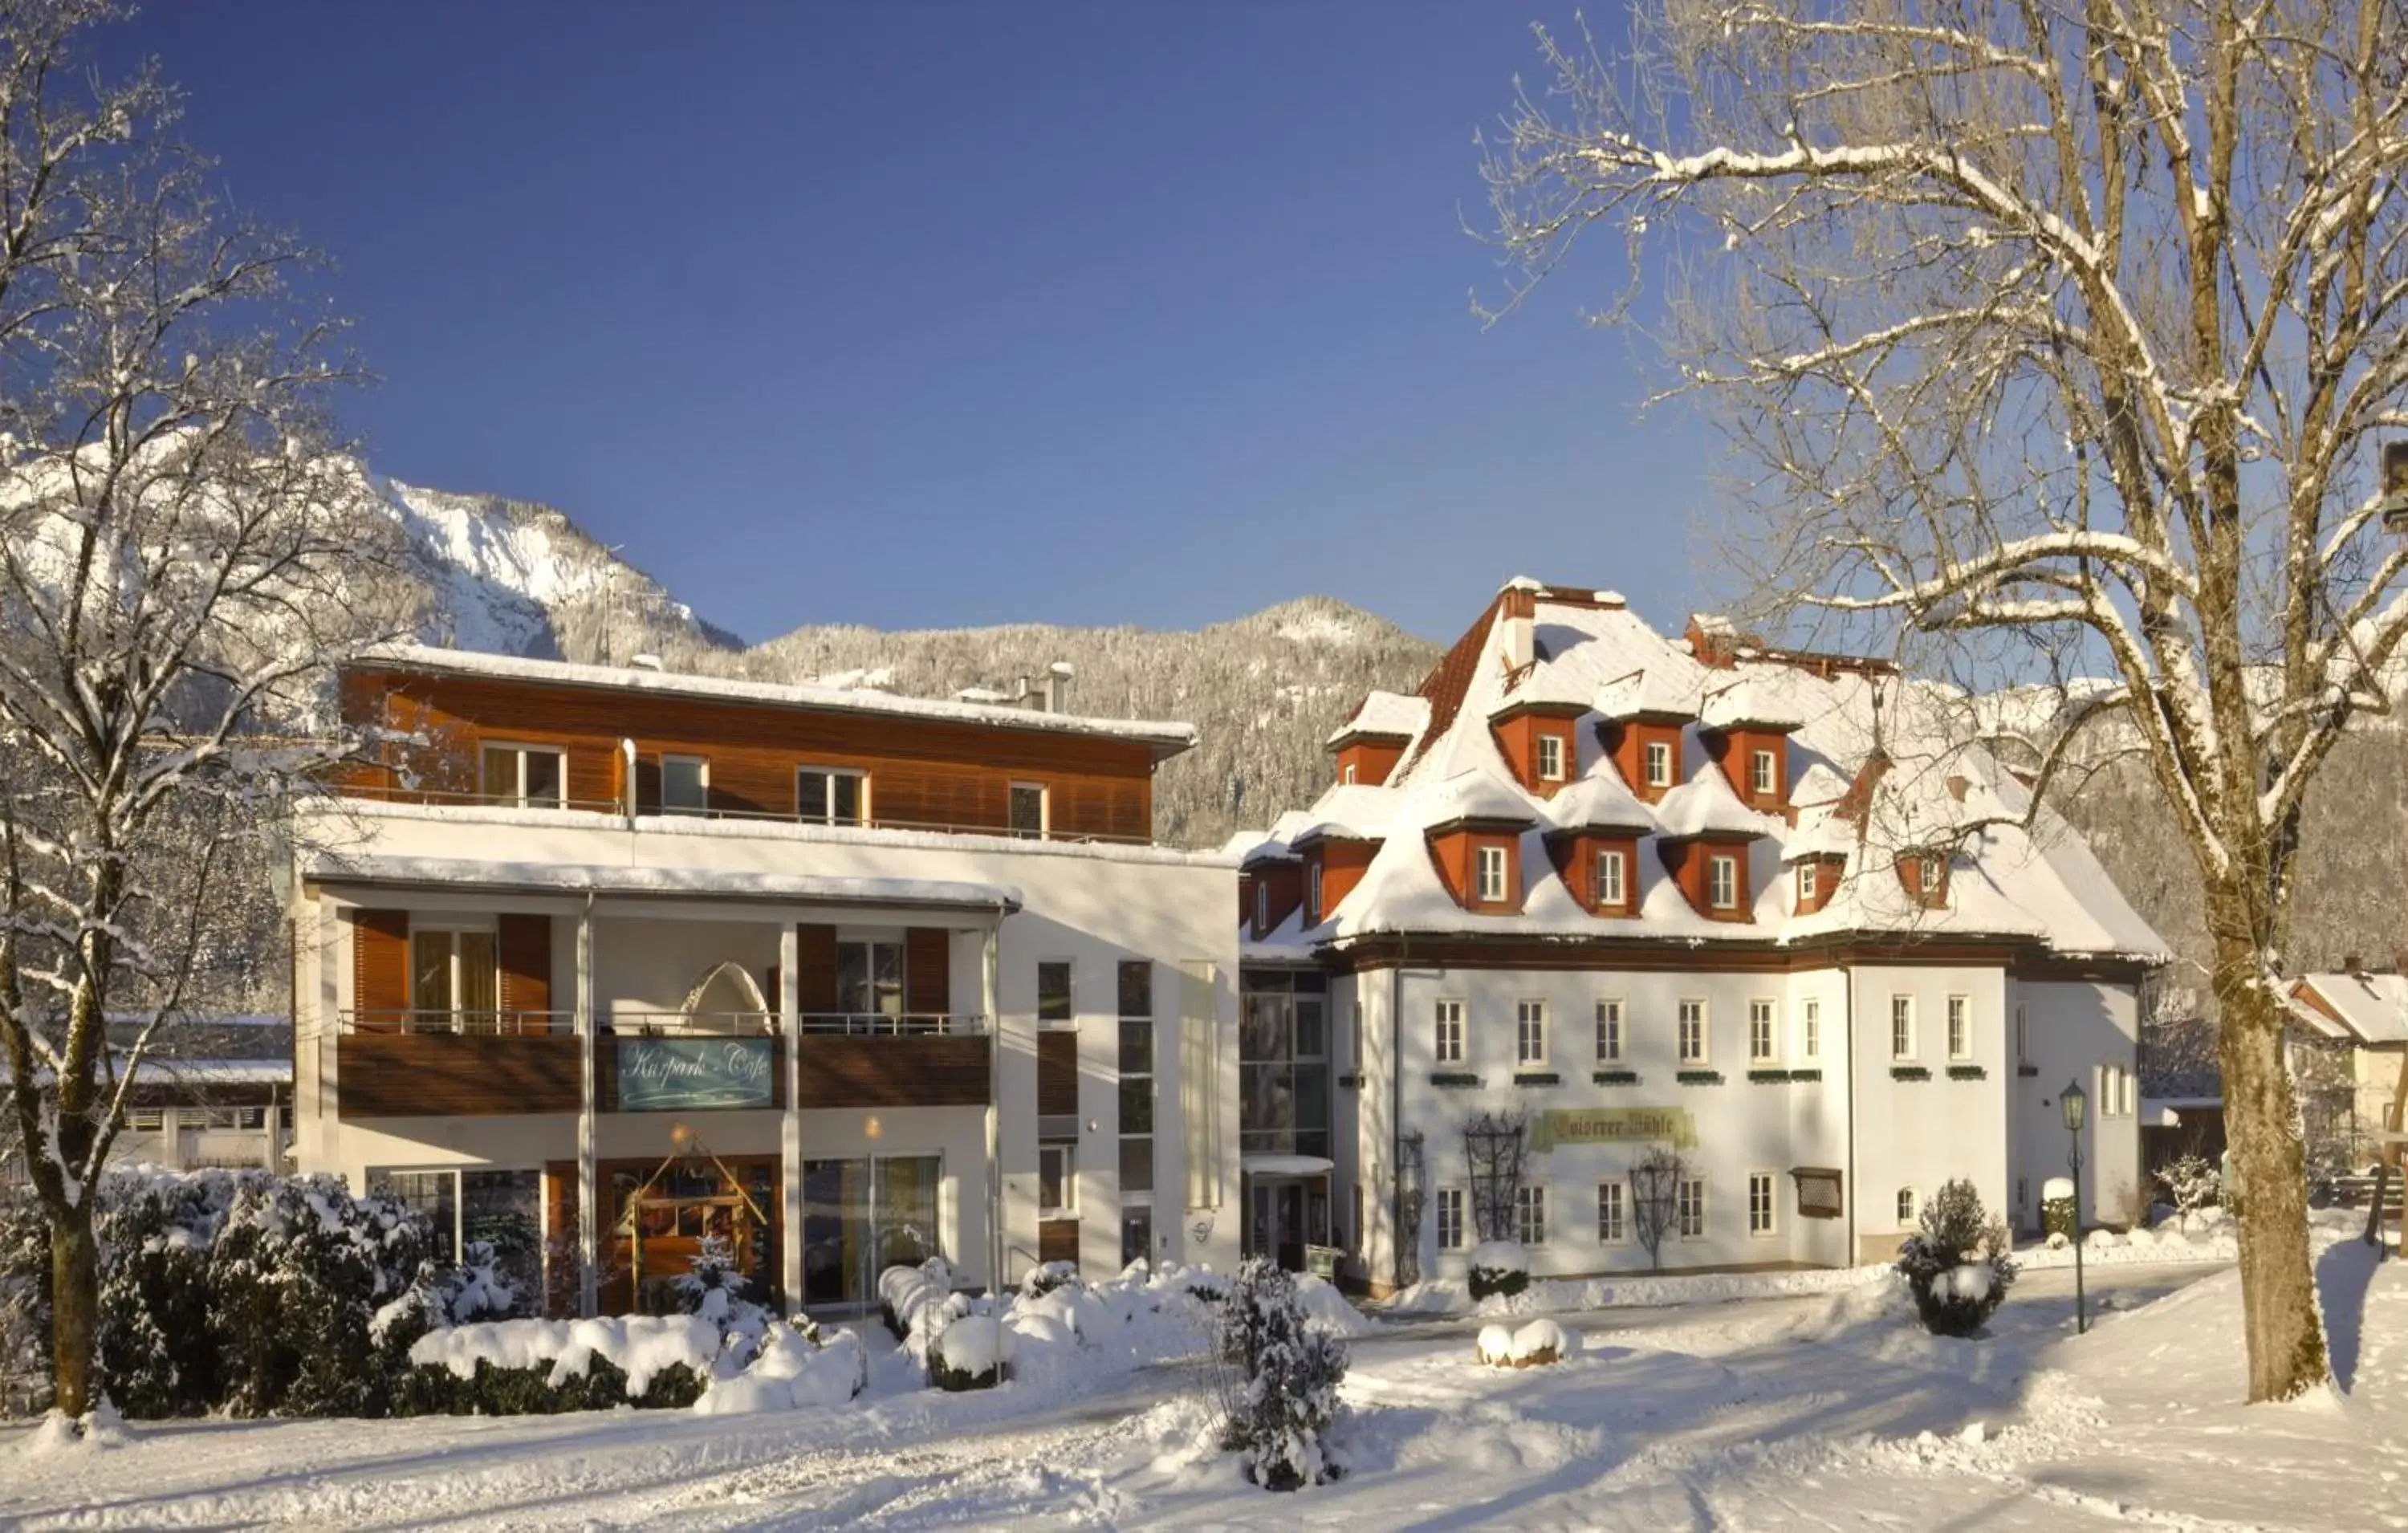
{"x":930,"y":315}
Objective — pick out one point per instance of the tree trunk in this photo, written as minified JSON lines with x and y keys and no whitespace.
{"x":2278,"y":1295}
{"x":75,"y":1311}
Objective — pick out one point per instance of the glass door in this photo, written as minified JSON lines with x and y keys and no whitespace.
{"x":836,"y":1225}
{"x":905,"y":1204}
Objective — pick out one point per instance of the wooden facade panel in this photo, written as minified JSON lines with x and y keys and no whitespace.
{"x":928,"y":969}
{"x":1057,"y":1240}
{"x":815,"y":959}
{"x":381,"y":964}
{"x":844,"y":1072}
{"x":524,"y":945}
{"x":464,"y":1075}
{"x":922,"y":771}
{"x":1057,"y":1073}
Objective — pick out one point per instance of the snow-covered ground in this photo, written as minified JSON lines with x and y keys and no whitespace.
{"x":1817,"y":1411}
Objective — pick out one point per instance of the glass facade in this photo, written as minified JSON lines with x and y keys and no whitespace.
{"x":1283,"y":1063}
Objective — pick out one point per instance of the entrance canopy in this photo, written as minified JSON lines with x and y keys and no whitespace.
{"x":1284,"y":1165}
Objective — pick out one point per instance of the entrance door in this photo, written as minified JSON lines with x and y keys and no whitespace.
{"x":1290,"y":1241}
{"x":863,"y":1216}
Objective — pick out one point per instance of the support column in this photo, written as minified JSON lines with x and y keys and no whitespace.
{"x":989,"y":998}
{"x":790,"y":1189}
{"x":589,"y":1233}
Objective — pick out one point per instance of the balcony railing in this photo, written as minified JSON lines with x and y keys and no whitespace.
{"x":480,"y":1024}
{"x":666,"y":1024}
{"x":886,"y":1025}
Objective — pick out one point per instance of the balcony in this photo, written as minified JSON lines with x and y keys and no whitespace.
{"x":431,"y":1064}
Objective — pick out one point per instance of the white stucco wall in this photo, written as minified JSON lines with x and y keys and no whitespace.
{"x":2071,"y":1028}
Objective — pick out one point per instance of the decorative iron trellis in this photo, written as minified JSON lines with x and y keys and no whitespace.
{"x":1493,"y":1146}
{"x":1411,"y":1191}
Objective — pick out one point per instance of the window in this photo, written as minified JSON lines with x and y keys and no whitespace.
{"x":455,"y":978}
{"x":1137,"y":1233}
{"x":147,"y":1119}
{"x":1932,"y":879}
{"x":1609,"y":1032}
{"x":1689,"y":1207}
{"x":1659,"y":764}
{"x":526,"y":776}
{"x":1609,"y":870}
{"x":1761,"y":1048}
{"x":1137,"y":1079}
{"x":1551,"y":758}
{"x":1054,"y":991}
{"x":2112,"y":1095}
{"x":1810,"y":1028}
{"x":1447,"y":1048}
{"x":1612,"y":1221}
{"x":1262,"y":907}
{"x":1763,"y":776}
{"x":219,"y":1117}
{"x":1029,"y":811}
{"x":869,"y":979}
{"x":1960,"y":1027}
{"x":1902,"y":1028}
{"x":826,"y":796}
{"x":1722,"y":880}
{"x":1285,"y":1083}
{"x":1693,"y":1032}
{"x":1058,"y":1180}
{"x":1906,"y":1207}
{"x":1348,"y":776}
{"x":1530,"y":1216}
{"x":1450,"y":1219}
{"x":1759,"y":1203}
{"x":1492,"y":874}
{"x":686,"y":785}
{"x":1313,"y":893}
{"x":251,"y":1117}
{"x":1530,"y":1033}
{"x":1807,"y":884}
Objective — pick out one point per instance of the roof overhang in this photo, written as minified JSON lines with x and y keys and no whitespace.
{"x":458,"y":873}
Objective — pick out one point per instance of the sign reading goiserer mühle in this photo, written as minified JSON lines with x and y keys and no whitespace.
{"x":1613,"y":1125}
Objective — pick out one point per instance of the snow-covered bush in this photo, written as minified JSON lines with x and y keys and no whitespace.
{"x":477,"y":1287}
{"x":1535,"y":1345}
{"x":972,"y":1352}
{"x":912,"y":1298}
{"x":1499,"y":1267}
{"x":797,"y":1365}
{"x":1956,"y":1261}
{"x":1283,"y":1396}
{"x":25,"y":1304}
{"x":2192,"y":1183}
{"x":1045,"y":1277}
{"x":2059,"y":1214}
{"x":544,"y":1367}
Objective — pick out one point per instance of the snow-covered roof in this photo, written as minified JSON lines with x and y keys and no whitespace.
{"x":1546,"y":686}
{"x":219,"y":1072}
{"x":1385,"y":715}
{"x":1351,"y":811}
{"x":605,"y":879}
{"x":2362,"y":1007}
{"x":2018,"y":871}
{"x":1167,"y":738}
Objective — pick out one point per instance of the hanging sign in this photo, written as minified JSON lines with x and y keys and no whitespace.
{"x":681,"y":1074}
{"x":1613,"y":1125}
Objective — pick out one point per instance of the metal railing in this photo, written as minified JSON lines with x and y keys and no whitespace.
{"x":395,"y":793}
{"x":625,"y":1024}
{"x":887,"y":1024}
{"x":514,"y":1023}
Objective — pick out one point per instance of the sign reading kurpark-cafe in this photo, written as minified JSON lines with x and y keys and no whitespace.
{"x":1671,"y":1125}
{"x":681,"y":1074}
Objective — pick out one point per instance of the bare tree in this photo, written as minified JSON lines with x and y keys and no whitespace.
{"x":2072,"y":324}
{"x":182,"y":554}
{"x":1656,"y":1200}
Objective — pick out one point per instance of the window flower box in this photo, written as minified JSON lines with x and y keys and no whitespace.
{"x":1805,"y":1075}
{"x":1771,"y":1078}
{"x":1351,"y":1081}
{"x":2028,"y":1070}
{"x":1699,"y":1078}
{"x":1968,"y":1072}
{"x":1537,"y":1078}
{"x":1910,"y":1072}
{"x":1615,"y":1078}
{"x":1454,"y":1079}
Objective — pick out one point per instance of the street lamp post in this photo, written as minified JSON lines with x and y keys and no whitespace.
{"x":2072,"y":1103}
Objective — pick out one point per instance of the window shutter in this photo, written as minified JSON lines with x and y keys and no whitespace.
{"x":525,"y":950}
{"x":815,"y":969}
{"x":928,"y":970}
{"x":380,"y":967}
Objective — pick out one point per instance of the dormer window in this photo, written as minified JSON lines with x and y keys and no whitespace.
{"x":1551,"y":758}
{"x":1491,"y":884}
{"x":1809,"y":883}
{"x":1610,"y":874}
{"x":1659,"y":764}
{"x":1349,"y":776}
{"x":1763,"y":776}
{"x":1313,"y":893}
{"x":1931,"y":873}
{"x":1722,"y":880}
{"x":1262,"y":907}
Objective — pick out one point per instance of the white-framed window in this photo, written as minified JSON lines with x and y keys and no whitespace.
{"x":1447,"y":1046}
{"x":1692,"y":1032}
{"x":1609,"y":1032}
{"x":1262,"y":905}
{"x":1902,"y":1028}
{"x":1613,"y":1214}
{"x":1810,"y":1028}
{"x":1809,"y":882}
{"x":455,"y":978}
{"x":1057,"y":1180}
{"x":527,"y":775}
{"x":1136,"y":1081}
{"x":1763,"y":773}
{"x":1761,"y":1203}
{"x":1722,"y":880}
{"x":1449,"y":1209}
{"x":1931,"y":876}
{"x":1491,"y":863}
{"x":1658,"y":759}
{"x":1530,"y":1215}
{"x":1960,"y":1026}
{"x":685,"y":784}
{"x":1909,"y":1206}
{"x":1313,"y":893}
{"x":1611,"y":871}
{"x":1347,"y":777}
{"x":1763,"y":1046}
{"x":2111,"y":1095}
{"x":1030,"y":810}
{"x":1551,"y":758}
{"x":1056,"y":1003}
{"x":1530,"y":1032}
{"x":830,"y":796}
{"x":1689,"y":1207}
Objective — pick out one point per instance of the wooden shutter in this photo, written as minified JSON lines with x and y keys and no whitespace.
{"x":815,"y":965}
{"x":526,"y":949}
{"x":928,"y":970}
{"x":647,"y":784}
{"x":1057,"y":1074}
{"x":379,"y":967}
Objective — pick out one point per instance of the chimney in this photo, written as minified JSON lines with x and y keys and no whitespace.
{"x":1057,"y":686}
{"x":1713,"y":639}
{"x":1517,"y":610}
{"x":1957,"y":783}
